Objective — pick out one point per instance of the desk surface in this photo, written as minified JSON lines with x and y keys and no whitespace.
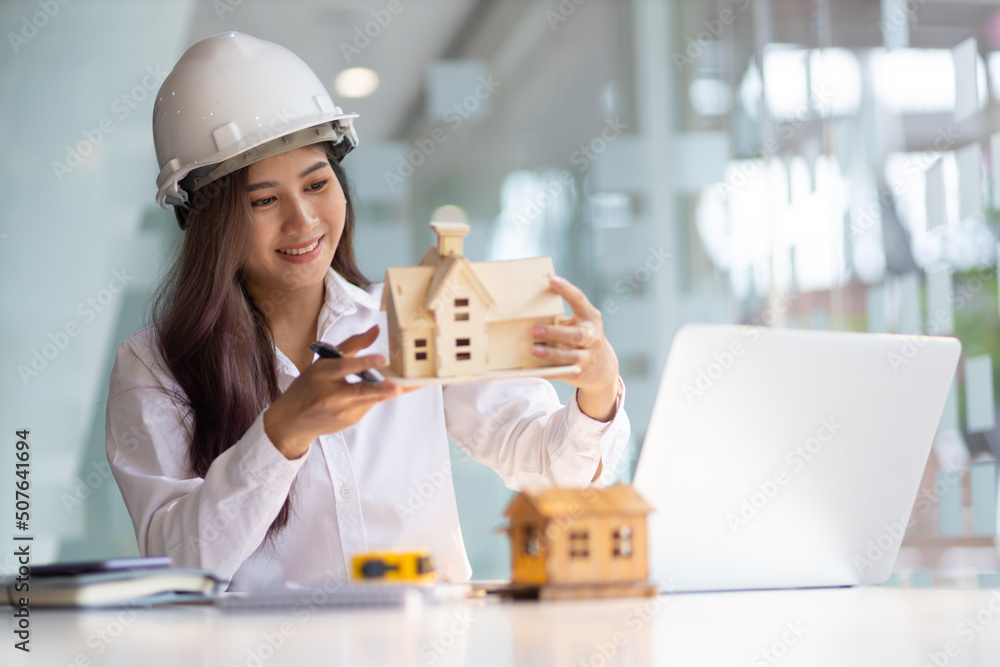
{"x":844,"y":627}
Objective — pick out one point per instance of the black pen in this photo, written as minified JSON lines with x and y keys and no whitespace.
{"x":327,"y":351}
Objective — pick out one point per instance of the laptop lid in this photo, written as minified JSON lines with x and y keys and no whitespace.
{"x":780,"y":458}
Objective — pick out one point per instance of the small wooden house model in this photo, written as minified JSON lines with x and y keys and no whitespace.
{"x":451,"y":318}
{"x":571,"y":537}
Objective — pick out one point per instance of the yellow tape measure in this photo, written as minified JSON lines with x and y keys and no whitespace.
{"x":412,"y":566}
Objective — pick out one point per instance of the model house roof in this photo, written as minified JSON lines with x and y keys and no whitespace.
{"x":449,"y":267}
{"x":405,"y":289}
{"x":524,"y":284}
{"x":617,"y":499}
{"x":517,"y":288}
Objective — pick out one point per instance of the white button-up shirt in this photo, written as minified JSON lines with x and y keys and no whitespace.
{"x":353,"y":491}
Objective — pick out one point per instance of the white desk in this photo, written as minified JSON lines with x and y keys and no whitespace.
{"x":843,"y":627}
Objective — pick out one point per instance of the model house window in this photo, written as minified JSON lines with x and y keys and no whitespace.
{"x":462,"y":342}
{"x":621,"y":542}
{"x":461,"y":303}
{"x":421,"y":356}
{"x":532,"y":544}
{"x":461,"y":317}
{"x":578,"y":544}
{"x":463,"y":356}
{"x":420,"y":342}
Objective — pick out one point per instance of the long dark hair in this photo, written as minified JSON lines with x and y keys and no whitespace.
{"x":204,"y":314}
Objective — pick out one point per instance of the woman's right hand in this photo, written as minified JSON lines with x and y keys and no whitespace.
{"x":321,"y":401}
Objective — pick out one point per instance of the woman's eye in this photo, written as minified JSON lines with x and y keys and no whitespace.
{"x":318,"y":185}
{"x":262,"y":202}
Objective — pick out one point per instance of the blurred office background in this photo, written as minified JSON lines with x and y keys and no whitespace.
{"x":823,"y":164}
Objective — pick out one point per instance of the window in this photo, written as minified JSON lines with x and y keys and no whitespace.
{"x":461,"y":317}
{"x":462,"y":342}
{"x":460,"y":303}
{"x":531,"y":544}
{"x":420,"y":342}
{"x":463,"y":356}
{"x":621,"y":541}
{"x":578,"y":547}
{"x":421,"y":356}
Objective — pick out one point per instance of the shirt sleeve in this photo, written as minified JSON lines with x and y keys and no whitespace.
{"x":213,"y":523}
{"x":521,"y":430}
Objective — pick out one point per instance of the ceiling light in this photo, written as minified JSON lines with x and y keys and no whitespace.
{"x":356,"y":82}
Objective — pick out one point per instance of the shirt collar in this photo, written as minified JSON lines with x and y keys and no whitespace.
{"x":342,"y":298}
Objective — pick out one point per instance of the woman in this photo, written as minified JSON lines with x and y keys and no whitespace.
{"x":234,"y":450}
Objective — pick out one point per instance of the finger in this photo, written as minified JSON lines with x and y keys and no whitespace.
{"x":356,"y":343}
{"x":572,"y":336}
{"x":559,"y":355}
{"x":577,"y":300}
{"x":374,"y":393}
{"x":338,"y":369}
{"x":406,"y":388}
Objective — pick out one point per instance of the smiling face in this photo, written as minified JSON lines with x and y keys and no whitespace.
{"x":299,"y":211}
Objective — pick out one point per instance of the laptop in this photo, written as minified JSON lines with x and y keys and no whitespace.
{"x":782,"y":458}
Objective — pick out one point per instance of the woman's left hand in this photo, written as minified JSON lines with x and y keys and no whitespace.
{"x":580,"y":340}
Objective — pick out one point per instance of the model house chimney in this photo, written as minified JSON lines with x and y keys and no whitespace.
{"x":449,"y":223}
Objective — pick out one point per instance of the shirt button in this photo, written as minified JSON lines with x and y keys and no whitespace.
{"x":346,"y":492}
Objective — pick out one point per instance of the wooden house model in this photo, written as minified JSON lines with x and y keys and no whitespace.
{"x":590,"y":536}
{"x":452,"y":318}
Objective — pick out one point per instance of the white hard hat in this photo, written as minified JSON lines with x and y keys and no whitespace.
{"x":232,"y":100}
